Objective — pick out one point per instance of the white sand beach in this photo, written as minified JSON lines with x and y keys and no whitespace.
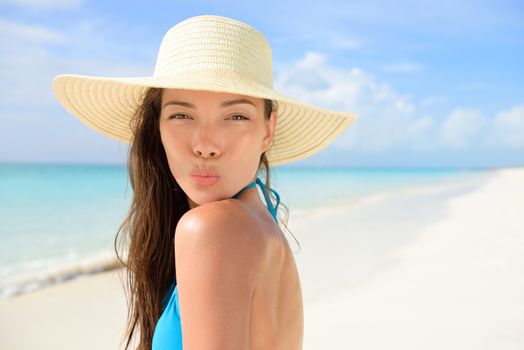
{"x":432,"y":269}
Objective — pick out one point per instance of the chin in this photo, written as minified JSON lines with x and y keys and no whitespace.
{"x":204,"y":200}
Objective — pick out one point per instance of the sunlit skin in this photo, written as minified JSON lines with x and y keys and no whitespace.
{"x":228,"y":140}
{"x":238,"y":285}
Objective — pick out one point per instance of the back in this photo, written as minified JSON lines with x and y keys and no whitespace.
{"x":277,"y":316}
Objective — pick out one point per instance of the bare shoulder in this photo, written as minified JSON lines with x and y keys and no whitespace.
{"x":219,"y":256}
{"x":226,"y":223}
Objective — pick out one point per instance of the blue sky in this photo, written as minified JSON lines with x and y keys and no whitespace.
{"x":435,"y":84}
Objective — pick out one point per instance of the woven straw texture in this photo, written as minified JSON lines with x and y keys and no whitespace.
{"x":211,"y":53}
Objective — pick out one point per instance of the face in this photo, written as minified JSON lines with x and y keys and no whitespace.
{"x":216,"y":133}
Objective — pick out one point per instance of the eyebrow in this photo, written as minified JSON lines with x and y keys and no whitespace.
{"x":224,"y":104}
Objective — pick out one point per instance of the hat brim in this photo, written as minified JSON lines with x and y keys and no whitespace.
{"x":107,"y":104}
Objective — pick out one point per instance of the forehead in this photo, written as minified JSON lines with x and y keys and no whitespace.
{"x":205,"y":97}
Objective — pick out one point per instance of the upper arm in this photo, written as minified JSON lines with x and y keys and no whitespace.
{"x":217,"y":265}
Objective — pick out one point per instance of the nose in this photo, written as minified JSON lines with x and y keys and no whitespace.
{"x":206,"y":145}
{"x":205,"y":154}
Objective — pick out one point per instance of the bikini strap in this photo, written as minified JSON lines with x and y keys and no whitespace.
{"x":272,"y":209}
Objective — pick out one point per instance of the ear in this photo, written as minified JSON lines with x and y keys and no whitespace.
{"x":270,"y":126}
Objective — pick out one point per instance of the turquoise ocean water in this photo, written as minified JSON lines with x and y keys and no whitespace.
{"x":59,"y":221}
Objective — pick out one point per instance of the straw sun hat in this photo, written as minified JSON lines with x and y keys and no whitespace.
{"x":212,"y":53}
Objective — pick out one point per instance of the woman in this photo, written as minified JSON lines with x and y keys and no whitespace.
{"x":208,"y":264}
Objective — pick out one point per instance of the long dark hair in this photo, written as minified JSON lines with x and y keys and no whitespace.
{"x":158,"y":203}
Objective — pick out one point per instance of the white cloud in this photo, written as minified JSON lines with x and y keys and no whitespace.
{"x":390,"y":120}
{"x":383,"y":112}
{"x":463,"y":128}
{"x":470,"y":128}
{"x":420,"y":133}
{"x":508,"y":127}
{"x":68,"y":4}
{"x":311,"y":60}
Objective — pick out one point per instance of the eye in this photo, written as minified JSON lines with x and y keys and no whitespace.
{"x":241,"y":116}
{"x":174,"y":116}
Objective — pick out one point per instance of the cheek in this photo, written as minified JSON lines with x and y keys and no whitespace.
{"x":171,"y":141}
{"x":173,"y":146}
{"x":246,"y":147}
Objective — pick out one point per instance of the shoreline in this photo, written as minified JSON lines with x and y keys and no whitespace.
{"x":106,"y":261}
{"x":422,"y":269}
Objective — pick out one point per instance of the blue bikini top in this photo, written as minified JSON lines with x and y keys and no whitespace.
{"x":272,"y":209}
